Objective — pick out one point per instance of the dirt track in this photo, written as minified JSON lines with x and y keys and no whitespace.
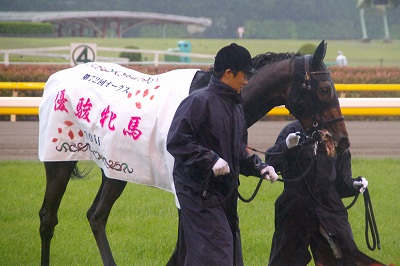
{"x":367,"y":138}
{"x":19,"y":140}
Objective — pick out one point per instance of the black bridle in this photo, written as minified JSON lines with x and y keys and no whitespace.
{"x":316,"y":123}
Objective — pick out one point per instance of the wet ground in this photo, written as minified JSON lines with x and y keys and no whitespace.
{"x":19,"y":140}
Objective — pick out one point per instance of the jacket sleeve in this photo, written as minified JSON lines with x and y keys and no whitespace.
{"x":181,"y":139}
{"x":248,"y":165}
{"x":344,"y":180}
{"x":275,"y":155}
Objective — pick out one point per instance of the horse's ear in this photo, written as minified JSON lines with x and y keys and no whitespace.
{"x":319,"y":55}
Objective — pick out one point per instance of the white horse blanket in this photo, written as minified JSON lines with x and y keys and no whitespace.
{"x":115,"y":116}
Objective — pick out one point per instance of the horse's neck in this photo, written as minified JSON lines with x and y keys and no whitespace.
{"x":266,"y":90}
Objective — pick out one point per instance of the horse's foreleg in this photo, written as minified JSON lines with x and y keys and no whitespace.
{"x":109,"y":192}
{"x":57,"y":177}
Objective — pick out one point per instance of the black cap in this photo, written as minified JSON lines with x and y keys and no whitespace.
{"x":234,"y":57}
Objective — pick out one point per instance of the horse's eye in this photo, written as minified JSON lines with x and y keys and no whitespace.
{"x":325,"y":90}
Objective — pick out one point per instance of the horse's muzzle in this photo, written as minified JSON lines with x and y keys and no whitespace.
{"x":343,"y":144}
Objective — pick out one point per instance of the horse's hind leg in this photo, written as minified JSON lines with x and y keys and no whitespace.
{"x":109,"y":192}
{"x":57,"y":177}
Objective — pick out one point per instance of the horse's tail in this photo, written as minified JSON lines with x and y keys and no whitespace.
{"x":81,"y":173}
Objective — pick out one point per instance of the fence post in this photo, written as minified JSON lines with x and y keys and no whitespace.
{"x":6,"y":58}
{"x":156,"y":59}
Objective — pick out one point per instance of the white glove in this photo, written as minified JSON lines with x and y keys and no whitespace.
{"x":221,"y":167}
{"x":271,"y":175}
{"x":292,"y":140}
{"x":363,"y":183}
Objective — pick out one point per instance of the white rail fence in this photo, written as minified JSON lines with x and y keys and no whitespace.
{"x":55,"y":52}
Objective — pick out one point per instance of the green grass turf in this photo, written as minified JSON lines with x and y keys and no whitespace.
{"x":142,"y":225}
{"x":358,"y":53}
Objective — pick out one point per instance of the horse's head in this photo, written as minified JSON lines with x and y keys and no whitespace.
{"x":313,"y":99}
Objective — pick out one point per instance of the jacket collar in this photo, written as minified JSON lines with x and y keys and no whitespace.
{"x":223,"y":89}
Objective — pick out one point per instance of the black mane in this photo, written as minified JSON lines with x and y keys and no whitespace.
{"x":264,"y":59}
{"x":202,"y":78}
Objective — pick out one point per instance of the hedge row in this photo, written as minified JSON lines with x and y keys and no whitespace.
{"x":26,"y":29}
{"x":365,"y":75}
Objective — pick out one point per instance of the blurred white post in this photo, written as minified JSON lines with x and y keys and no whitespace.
{"x":240,"y":31}
{"x":6,"y":58}
{"x":363,"y":27}
{"x":156,"y":59}
{"x":385,"y":25}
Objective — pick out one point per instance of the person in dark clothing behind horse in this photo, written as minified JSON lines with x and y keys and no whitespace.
{"x":310,"y":212}
{"x":208,"y":139}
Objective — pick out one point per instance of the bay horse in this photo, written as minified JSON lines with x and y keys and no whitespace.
{"x":301,"y":83}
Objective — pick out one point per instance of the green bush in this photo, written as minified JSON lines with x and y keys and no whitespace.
{"x":133,"y":57}
{"x":25,"y":28}
{"x":307,"y":48}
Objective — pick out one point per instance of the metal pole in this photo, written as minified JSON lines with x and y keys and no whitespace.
{"x":363,"y":27}
{"x":164,"y":31}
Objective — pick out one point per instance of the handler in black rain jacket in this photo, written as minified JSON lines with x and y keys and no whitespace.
{"x":208,"y":139}
{"x":310,"y":212}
